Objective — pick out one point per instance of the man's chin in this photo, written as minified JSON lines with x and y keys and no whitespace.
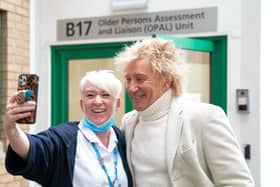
{"x":139,"y":108}
{"x":139,"y":104}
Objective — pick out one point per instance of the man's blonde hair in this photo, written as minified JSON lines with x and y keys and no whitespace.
{"x":163,"y":56}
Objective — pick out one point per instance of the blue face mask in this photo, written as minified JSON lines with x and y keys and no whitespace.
{"x":98,"y":129}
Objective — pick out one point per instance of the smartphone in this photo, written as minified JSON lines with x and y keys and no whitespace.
{"x":28,"y":85}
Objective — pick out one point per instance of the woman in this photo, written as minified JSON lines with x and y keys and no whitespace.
{"x":86,"y":153}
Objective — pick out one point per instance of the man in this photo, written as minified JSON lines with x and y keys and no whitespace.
{"x":170,"y":141}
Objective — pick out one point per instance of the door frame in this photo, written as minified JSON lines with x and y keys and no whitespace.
{"x":62,"y":54}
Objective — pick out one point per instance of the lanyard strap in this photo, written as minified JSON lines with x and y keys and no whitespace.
{"x":101,"y":159}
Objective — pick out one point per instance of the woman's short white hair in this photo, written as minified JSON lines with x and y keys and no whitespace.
{"x":104,"y":80}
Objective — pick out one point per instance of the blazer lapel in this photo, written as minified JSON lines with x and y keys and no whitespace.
{"x":173,"y":133}
{"x":129,"y":132}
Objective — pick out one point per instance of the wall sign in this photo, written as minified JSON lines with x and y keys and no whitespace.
{"x":144,"y":24}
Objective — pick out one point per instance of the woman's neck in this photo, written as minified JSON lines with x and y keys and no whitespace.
{"x":104,"y":137}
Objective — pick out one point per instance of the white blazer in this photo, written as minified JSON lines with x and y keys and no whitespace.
{"x":202,"y":150}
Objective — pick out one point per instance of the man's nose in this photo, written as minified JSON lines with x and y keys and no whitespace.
{"x":132,"y":87}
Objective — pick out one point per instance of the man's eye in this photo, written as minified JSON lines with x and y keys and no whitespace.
{"x":139,"y":79}
{"x":128,"y":79}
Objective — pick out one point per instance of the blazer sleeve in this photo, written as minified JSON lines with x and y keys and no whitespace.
{"x":47,"y":154}
{"x":37,"y":164}
{"x":223,"y":154}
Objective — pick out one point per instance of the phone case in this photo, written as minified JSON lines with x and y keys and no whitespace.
{"x":28,"y":86}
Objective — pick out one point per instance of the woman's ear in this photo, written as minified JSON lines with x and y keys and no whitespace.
{"x":81,"y":105}
{"x":118,"y":103}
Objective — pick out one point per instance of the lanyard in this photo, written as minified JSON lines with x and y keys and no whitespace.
{"x":101,"y":159}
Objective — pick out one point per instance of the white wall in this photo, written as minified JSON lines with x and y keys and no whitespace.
{"x":236,"y":18}
{"x":270,"y":93}
{"x":249,"y":78}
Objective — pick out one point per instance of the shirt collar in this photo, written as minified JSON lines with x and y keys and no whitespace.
{"x":92,"y":138}
{"x":159,"y":108}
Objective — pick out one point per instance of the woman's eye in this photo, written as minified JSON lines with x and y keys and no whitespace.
{"x":105,"y":95}
{"x":90,"y":95}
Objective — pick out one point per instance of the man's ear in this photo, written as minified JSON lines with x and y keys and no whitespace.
{"x":166,"y":84}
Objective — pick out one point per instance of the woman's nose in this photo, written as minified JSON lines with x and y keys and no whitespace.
{"x":98,"y":99}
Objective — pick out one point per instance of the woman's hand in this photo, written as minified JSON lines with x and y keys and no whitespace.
{"x":15,"y":111}
{"x":17,"y":138}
